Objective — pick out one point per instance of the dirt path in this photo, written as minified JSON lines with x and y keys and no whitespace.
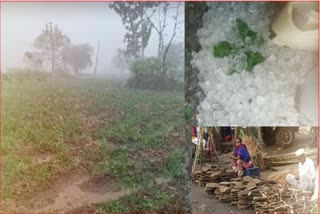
{"x":70,"y":194}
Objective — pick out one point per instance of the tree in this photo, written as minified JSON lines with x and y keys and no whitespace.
{"x":175,"y":61}
{"x":78,"y":56}
{"x":161,"y":26}
{"x":177,"y":22}
{"x":133,"y":16}
{"x":120,"y":60}
{"x":34,"y":59}
{"x":51,"y":43}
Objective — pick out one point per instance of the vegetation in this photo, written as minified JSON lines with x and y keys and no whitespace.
{"x":78,"y":56}
{"x":85,"y":124}
{"x":160,"y":199}
{"x":147,"y":76}
{"x":55,"y":48}
{"x":51,"y":43}
{"x":148,"y":66}
{"x":121,"y":61}
{"x":243,"y":57}
{"x":157,"y":72}
{"x":133,"y":16}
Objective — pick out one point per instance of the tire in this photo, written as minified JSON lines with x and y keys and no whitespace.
{"x":285,"y":137}
{"x":268,"y":136}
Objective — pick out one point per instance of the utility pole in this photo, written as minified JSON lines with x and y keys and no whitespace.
{"x":97,"y":57}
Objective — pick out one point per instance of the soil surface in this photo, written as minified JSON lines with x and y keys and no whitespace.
{"x":74,"y":192}
{"x":101,"y":184}
{"x":79,"y":191}
{"x":202,"y":203}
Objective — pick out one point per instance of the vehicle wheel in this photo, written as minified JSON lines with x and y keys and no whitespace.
{"x":285,"y":137}
{"x":268,"y":136}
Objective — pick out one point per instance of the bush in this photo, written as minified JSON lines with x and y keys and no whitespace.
{"x":147,"y":66}
{"x":147,"y":76}
{"x":154,"y":82}
{"x":174,"y":165}
{"x":21,"y":75}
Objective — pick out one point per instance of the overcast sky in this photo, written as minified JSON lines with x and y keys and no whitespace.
{"x":82,"y":22}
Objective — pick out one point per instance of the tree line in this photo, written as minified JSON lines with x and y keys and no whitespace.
{"x":140,"y":19}
{"x":55,"y":48}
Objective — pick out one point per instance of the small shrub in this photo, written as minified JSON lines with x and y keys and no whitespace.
{"x":147,"y":66}
{"x":175,"y":164}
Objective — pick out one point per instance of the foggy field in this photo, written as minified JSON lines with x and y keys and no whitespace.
{"x":59,"y":130}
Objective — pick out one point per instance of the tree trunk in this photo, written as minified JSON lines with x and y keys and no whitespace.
{"x":250,"y":131}
{"x":216,"y":138}
{"x":237,"y":132}
{"x":260,"y":140}
{"x":142,"y":38}
{"x":170,"y":42}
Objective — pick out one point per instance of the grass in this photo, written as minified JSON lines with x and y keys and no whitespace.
{"x":159,"y":199}
{"x":44,"y":115}
{"x":174,"y":165}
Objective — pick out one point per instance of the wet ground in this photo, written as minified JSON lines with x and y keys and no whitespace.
{"x":201,"y":203}
{"x":76,"y":192}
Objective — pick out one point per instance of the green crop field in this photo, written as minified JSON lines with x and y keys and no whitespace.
{"x":53,"y":127}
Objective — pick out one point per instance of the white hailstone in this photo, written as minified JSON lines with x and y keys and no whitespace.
{"x":265,"y":96}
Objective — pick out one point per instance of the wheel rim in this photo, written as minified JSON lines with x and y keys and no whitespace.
{"x":286,"y":137}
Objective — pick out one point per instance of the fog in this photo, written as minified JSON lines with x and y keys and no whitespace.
{"x":82,"y":22}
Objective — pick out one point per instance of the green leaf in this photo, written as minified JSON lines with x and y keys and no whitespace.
{"x":243,"y":29}
{"x":252,"y":35}
{"x":222,"y":49}
{"x":253,"y":58}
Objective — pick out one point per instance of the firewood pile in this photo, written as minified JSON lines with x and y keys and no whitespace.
{"x":275,"y":198}
{"x":223,"y":192}
{"x":212,"y":174}
{"x":265,"y":196}
{"x":282,"y":160}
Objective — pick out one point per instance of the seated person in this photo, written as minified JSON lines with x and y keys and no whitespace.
{"x":241,"y":158}
{"x":307,"y":173}
{"x":315,"y":195}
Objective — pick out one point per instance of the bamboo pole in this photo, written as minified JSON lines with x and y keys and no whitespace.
{"x":198,"y":155}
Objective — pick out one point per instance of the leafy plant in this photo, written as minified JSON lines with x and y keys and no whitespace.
{"x":222,"y":49}
{"x":149,"y":199}
{"x":244,"y":30}
{"x":50,"y":43}
{"x":253,"y":58}
{"x":50,"y":116}
{"x":188,"y":112}
{"x":248,"y":38}
{"x":174,"y":165}
{"x":78,"y":56}
{"x":145,"y":66}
